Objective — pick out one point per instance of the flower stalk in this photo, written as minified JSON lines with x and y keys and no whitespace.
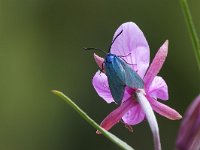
{"x":107,"y":134}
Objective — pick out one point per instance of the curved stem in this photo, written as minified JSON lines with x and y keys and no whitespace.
{"x":107,"y":134}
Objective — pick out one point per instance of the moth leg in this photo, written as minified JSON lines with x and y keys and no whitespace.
{"x":134,"y":65}
{"x":125,"y":55}
{"x":102,"y":68}
{"x":127,"y":62}
{"x":130,"y":129}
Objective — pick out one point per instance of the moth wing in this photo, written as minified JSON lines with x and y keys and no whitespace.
{"x":128,"y":76}
{"x":116,"y":85}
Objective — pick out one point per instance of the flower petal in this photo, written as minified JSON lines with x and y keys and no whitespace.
{"x":134,"y":116}
{"x":158,"y":89}
{"x":116,"y":115}
{"x":99,"y":60}
{"x":132,"y":44}
{"x":189,"y":132}
{"x":156,"y":64}
{"x":100,"y":83}
{"x":164,"y":110}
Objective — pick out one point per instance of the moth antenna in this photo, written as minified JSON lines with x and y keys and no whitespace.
{"x":95,"y":49}
{"x":115,"y":39}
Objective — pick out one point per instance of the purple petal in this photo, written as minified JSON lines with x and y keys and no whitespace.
{"x":158,"y":89}
{"x":164,"y":110}
{"x":116,"y":115}
{"x":100,"y":83}
{"x":132,"y":44}
{"x":134,"y":116}
{"x":156,"y":65}
{"x":99,"y":61}
{"x":189,"y":132}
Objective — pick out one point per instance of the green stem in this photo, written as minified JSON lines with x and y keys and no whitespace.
{"x":107,"y":134}
{"x":191,"y":29}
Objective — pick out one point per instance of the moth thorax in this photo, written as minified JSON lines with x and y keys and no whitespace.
{"x":110,"y":58}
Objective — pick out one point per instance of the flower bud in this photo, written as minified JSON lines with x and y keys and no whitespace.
{"x":189,"y":132}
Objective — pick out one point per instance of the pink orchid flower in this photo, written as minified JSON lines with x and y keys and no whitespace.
{"x":137,"y":104}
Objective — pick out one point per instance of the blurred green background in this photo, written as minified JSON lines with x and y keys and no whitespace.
{"x":41,"y":45}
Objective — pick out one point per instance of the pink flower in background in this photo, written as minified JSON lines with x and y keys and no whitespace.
{"x":189,"y":132}
{"x":132,"y":111}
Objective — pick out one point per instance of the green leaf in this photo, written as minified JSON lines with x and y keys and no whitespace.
{"x":107,"y":134}
{"x":191,"y":29}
